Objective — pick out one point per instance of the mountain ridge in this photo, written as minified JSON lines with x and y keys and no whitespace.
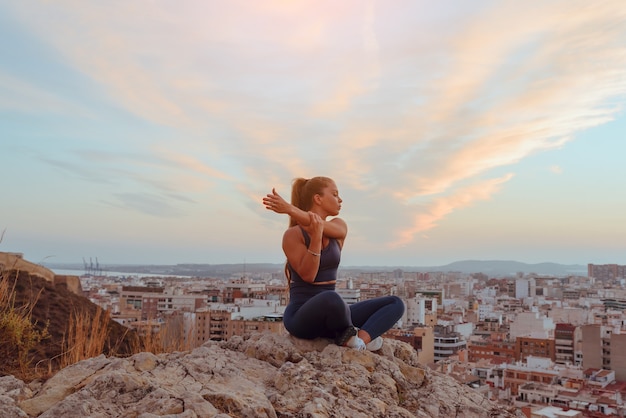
{"x":488,"y":267}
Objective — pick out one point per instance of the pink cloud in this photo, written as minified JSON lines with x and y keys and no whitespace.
{"x":440,"y":207}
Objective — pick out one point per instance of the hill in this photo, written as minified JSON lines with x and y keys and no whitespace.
{"x":51,"y":307}
{"x":492,"y":268}
{"x":510,"y":268}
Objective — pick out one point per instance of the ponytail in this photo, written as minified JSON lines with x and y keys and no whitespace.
{"x":303,"y":190}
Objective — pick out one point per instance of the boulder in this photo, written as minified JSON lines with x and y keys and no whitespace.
{"x":264,"y":375}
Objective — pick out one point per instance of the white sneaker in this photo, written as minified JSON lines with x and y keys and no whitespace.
{"x":375,"y":345}
{"x":356,"y":343}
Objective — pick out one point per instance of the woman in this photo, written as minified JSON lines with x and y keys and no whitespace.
{"x":313,"y":246}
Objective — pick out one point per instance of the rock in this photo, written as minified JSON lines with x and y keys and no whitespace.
{"x":12,"y":390}
{"x":62,"y":384}
{"x":266,"y":375}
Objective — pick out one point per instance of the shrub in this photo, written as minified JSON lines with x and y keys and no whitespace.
{"x":18,"y":332}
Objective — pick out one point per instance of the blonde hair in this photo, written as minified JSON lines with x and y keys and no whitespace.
{"x":303,"y":190}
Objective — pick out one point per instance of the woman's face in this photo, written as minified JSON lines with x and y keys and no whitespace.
{"x":330,"y":200}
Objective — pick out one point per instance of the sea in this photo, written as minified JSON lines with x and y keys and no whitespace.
{"x":104,"y":273}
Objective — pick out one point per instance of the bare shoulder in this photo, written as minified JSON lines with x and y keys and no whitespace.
{"x":292,"y":240}
{"x":339,"y":221}
{"x":293,"y":232}
{"x":341,"y":226}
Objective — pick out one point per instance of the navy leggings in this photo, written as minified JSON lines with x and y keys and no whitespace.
{"x":327,"y":315}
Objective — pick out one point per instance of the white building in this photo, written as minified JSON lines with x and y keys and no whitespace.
{"x":555,"y":412}
{"x":484,"y":311}
{"x":418,"y":307}
{"x":523,"y":288}
{"x":349,"y":294}
{"x":568,"y":315}
{"x":531,"y":324}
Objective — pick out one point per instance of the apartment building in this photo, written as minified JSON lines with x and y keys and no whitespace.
{"x":495,"y":347}
{"x":242,"y":288}
{"x":375,"y":290}
{"x":536,"y":370}
{"x":604,"y":347}
{"x":141,"y":301}
{"x":350,"y":294}
{"x":606,"y":272}
{"x":564,"y":344}
{"x":531,"y":324}
{"x":447,"y":343}
{"x":437,"y":294}
{"x":421,"y":310}
{"x":536,"y":347}
{"x":267,"y":323}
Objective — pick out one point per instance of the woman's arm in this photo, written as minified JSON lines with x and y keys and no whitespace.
{"x":335,"y":228}
{"x":305,"y":261}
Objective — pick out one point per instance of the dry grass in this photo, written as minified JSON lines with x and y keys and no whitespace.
{"x":86,"y":336}
{"x":18,"y":331}
{"x":169,"y":338}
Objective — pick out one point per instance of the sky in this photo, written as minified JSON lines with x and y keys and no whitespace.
{"x":148,"y":132}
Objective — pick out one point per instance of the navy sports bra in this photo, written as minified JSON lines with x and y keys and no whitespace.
{"x":327,"y":272}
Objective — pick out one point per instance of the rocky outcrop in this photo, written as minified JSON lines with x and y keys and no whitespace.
{"x":16,"y":262}
{"x":266,"y":375}
{"x":71,"y":282}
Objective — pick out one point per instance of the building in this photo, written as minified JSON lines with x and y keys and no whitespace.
{"x":531,"y":324}
{"x":242,"y":288}
{"x":493,"y":323}
{"x":217,"y":323}
{"x":564,"y":344}
{"x":535,"y":347}
{"x":537,"y":370}
{"x":606,"y":272}
{"x":170,"y":303}
{"x":375,"y":290}
{"x":555,"y":412}
{"x":447,"y":343}
{"x":604,"y":347}
{"x":220,"y":325}
{"x":420,"y":310}
{"x":350,"y":294}
{"x":437,"y":294}
{"x":140,"y":299}
{"x":496,"y":348}
{"x":617,"y":303}
{"x":245,"y":327}
{"x":523,"y":288}
{"x":569,"y":315}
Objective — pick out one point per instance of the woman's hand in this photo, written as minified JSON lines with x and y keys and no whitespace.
{"x":315,"y":228}
{"x":275,"y":202}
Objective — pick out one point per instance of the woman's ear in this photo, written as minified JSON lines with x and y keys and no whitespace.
{"x":317,"y":199}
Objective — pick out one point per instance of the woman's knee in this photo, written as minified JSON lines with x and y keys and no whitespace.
{"x":399,"y":303}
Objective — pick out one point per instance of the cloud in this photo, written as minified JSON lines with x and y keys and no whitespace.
{"x":439,"y":208}
{"x":556,"y":169}
{"x":146,"y":203}
{"x":18,"y":95}
{"x":423,"y":111}
{"x":168,"y":175}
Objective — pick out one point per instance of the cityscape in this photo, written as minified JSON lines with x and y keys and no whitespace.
{"x":149,"y":133}
{"x":548,"y":345}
